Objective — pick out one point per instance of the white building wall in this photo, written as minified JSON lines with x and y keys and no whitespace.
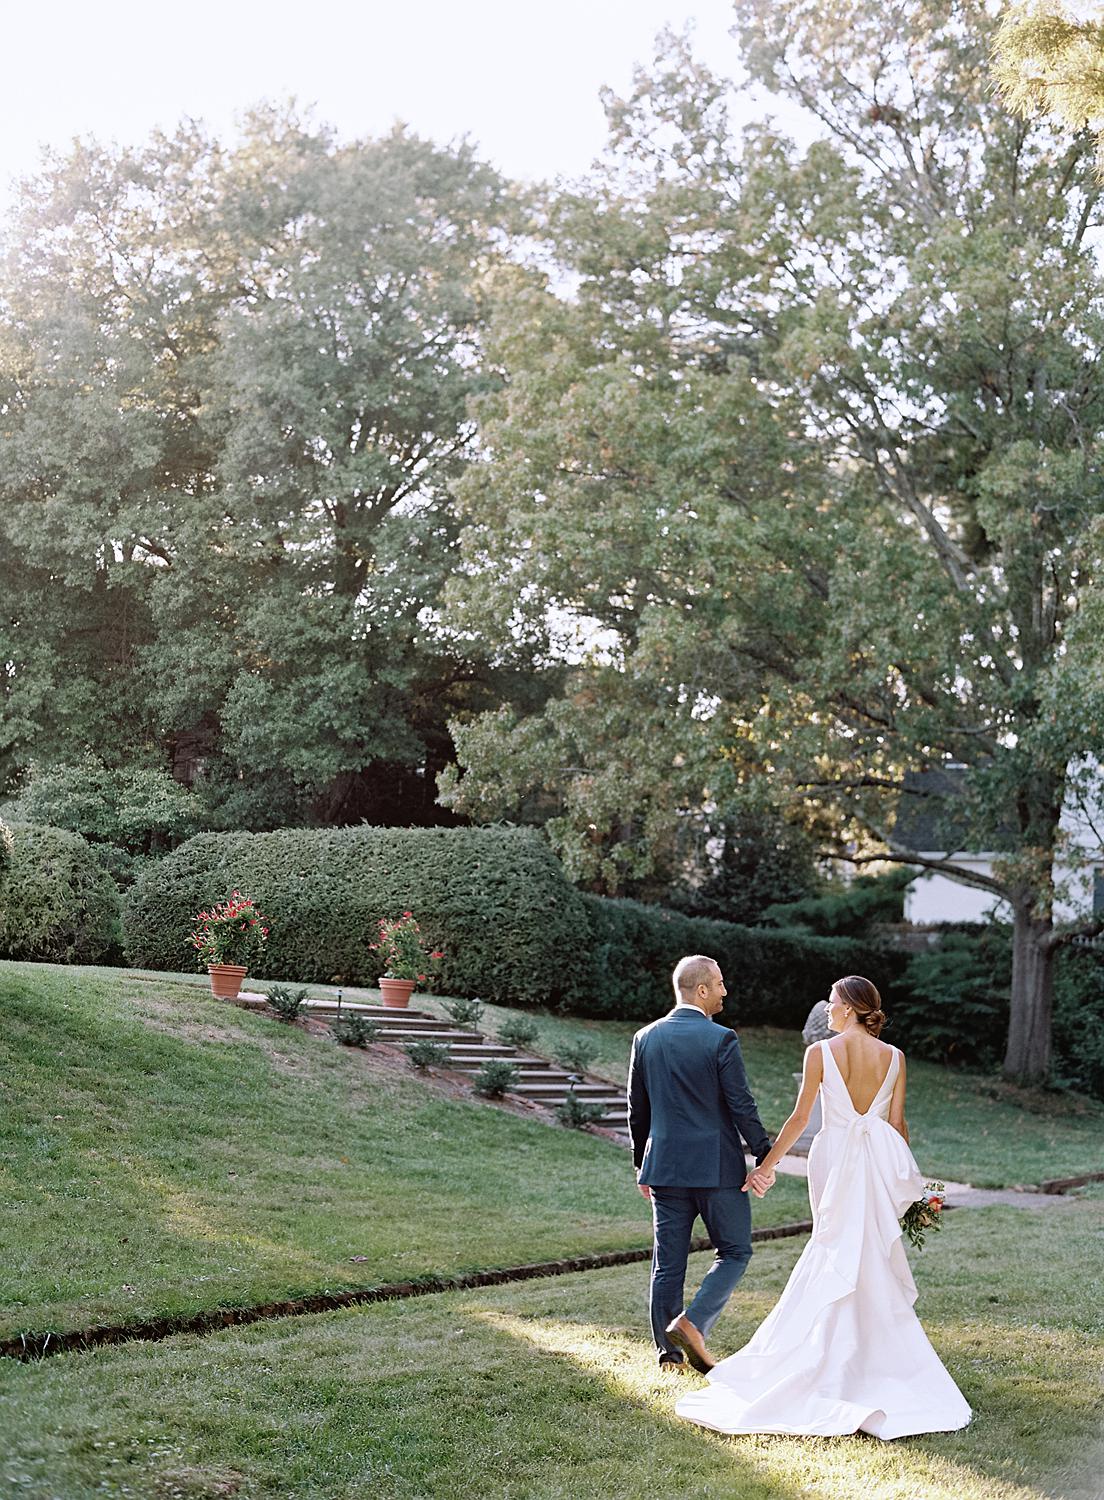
{"x":933,"y":897}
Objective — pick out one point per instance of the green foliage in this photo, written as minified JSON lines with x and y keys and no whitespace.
{"x":139,"y":810}
{"x":495,"y":900}
{"x":576,"y":1053}
{"x":355,"y":1030}
{"x":819,"y":617}
{"x":60,"y":906}
{"x":1079,"y":1020}
{"x":519,"y":1031}
{"x":286,"y":1002}
{"x":763,"y":862}
{"x":578,"y":1114}
{"x":1049,"y":61}
{"x":465,"y":1012}
{"x":847,"y":910}
{"x":495,"y":1078}
{"x":7,"y":844}
{"x":224,"y":548}
{"x":774,"y":977}
{"x":955,"y":1007}
{"x":427,"y":1054}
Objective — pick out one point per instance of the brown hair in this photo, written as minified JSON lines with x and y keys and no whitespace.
{"x":864,"y":1000}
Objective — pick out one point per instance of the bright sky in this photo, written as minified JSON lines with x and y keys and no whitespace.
{"x":520,"y":78}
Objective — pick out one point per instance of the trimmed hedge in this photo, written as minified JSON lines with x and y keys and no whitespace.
{"x":774,"y":977}
{"x":494,"y":899}
{"x":60,"y":905}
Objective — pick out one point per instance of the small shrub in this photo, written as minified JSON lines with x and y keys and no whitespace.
{"x":495,"y":1077}
{"x":355,"y":1030}
{"x":576,"y":1054}
{"x":427,"y":1054}
{"x":465,"y":1012}
{"x":286,"y":1002}
{"x":578,"y":1114}
{"x":519,"y":1031}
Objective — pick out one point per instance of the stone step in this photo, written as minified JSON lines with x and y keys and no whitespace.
{"x":469,"y":1052}
{"x":400,"y":1034}
{"x":596,"y":1091}
{"x":325,"y":1005}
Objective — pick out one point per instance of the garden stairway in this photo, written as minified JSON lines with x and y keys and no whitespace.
{"x":538,"y":1079}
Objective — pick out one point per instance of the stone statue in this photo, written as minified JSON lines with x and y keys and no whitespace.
{"x":814,"y":1030}
{"x":816,"y":1027}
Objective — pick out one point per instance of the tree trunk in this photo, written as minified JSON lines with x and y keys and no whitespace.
{"x":1027,"y":1059}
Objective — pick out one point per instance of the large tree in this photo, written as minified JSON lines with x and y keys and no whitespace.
{"x":866,"y":487}
{"x":233,"y":385}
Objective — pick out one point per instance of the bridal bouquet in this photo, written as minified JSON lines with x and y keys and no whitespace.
{"x":924,"y":1215}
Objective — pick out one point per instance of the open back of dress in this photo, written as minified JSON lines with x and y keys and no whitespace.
{"x":842,"y":1350}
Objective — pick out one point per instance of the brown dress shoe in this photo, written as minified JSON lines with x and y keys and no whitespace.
{"x":686,"y":1337}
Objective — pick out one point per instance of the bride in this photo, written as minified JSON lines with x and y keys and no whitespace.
{"x":842,"y":1351}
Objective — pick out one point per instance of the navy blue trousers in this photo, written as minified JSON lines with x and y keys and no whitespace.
{"x":726,"y":1214}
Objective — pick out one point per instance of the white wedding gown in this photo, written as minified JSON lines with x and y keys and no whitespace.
{"x":842,"y":1350}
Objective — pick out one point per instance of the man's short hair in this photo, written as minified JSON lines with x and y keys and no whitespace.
{"x":691,"y":971}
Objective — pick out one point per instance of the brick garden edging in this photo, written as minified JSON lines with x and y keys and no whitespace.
{"x":34,"y":1346}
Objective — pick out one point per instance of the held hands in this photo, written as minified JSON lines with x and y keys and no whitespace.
{"x":759,"y":1181}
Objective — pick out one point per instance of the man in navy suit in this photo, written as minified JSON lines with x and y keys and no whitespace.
{"x":689,"y":1105}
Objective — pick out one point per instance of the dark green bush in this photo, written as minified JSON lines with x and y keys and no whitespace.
{"x":847,"y":910}
{"x":355,"y":1030}
{"x":426,"y":1054}
{"x":495,"y":1077}
{"x":465,"y":1012}
{"x":955,"y":1006}
{"x":286,"y":1002}
{"x":60,"y":905}
{"x":576,"y":1054}
{"x":496,"y":900}
{"x":578,"y":1114}
{"x":1079,"y":1020}
{"x":519,"y":1031}
{"x":774,"y":977}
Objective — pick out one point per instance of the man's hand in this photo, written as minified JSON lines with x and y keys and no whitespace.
{"x":645,"y":1189}
{"x":759,"y":1182}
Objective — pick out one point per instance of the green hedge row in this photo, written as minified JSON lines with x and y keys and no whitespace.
{"x":59,"y":905}
{"x":774,"y":977}
{"x":495,"y":900}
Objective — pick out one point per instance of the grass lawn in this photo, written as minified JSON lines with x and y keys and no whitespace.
{"x":547,"y":1391}
{"x":164,"y":1153}
{"x":965,"y":1127}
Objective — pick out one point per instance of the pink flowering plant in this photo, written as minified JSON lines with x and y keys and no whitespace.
{"x":233,"y":932}
{"x":925,"y":1215}
{"x":402,"y":949}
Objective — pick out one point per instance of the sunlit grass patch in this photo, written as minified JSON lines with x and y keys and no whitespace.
{"x":549,"y":1391}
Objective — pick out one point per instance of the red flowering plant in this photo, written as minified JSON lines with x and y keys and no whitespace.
{"x":925,"y":1215}
{"x":402,"y":949}
{"x":233,"y":932}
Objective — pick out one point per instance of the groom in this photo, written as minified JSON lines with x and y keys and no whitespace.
{"x":689,"y":1104}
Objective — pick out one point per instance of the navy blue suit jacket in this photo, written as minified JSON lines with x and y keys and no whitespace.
{"x":689,"y":1104}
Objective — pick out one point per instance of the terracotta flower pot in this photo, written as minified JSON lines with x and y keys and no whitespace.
{"x":396,"y":992}
{"x":226,"y":979}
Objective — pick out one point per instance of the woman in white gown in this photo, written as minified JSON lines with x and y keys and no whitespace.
{"x":842,"y":1350}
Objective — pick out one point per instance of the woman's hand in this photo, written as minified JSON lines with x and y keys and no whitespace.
{"x":759,"y":1181}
